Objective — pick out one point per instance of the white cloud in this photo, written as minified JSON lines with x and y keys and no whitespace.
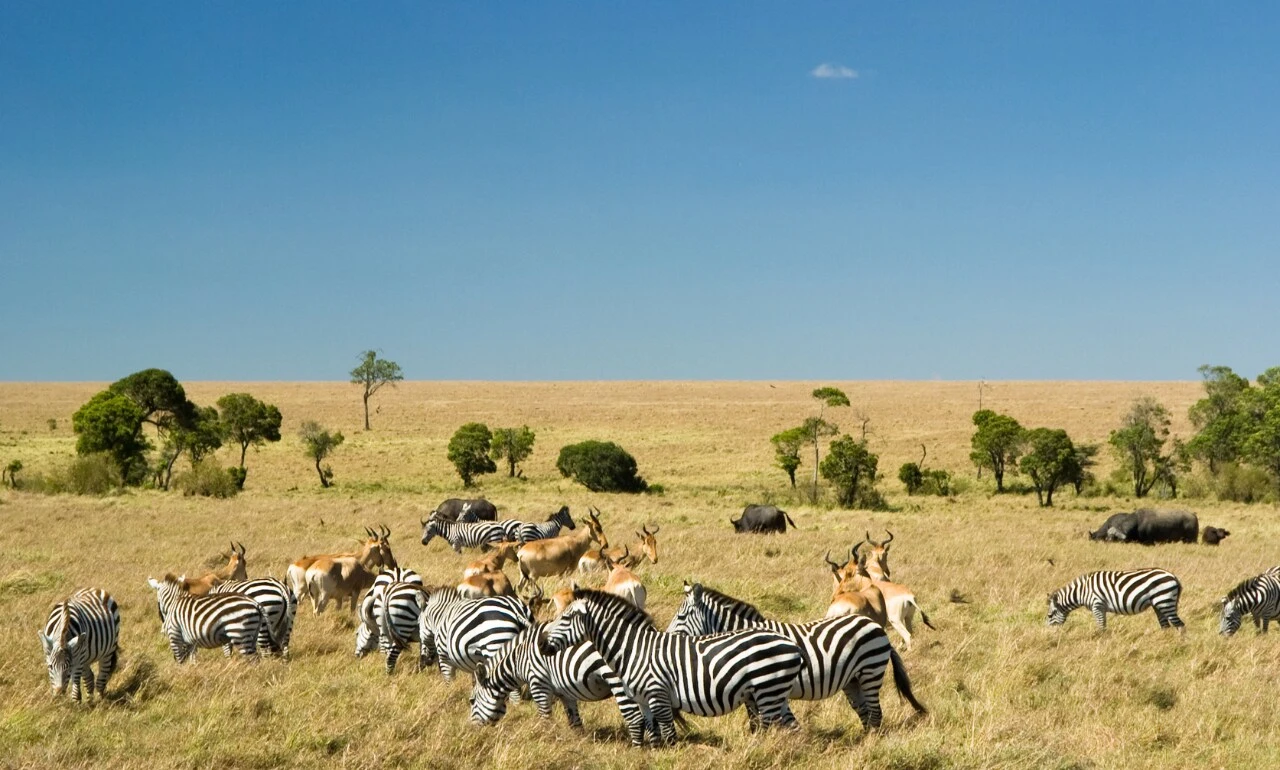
{"x":832,"y":71}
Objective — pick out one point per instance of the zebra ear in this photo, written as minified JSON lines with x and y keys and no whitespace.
{"x":73,"y":643}
{"x":695,"y":591}
{"x":687,"y":587}
{"x":47,"y":641}
{"x":155,"y":584}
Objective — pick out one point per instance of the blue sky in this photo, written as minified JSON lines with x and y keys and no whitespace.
{"x":639,"y":190}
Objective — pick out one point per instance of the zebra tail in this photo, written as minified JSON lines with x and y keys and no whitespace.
{"x":266,"y":625}
{"x":903,"y":682}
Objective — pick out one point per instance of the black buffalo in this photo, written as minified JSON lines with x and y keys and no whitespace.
{"x":1149,"y":527}
{"x":762,"y":518}
{"x":1213,"y":535}
{"x":451,"y":509}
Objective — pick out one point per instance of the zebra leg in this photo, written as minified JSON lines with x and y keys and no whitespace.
{"x":106,"y":667}
{"x":226,"y":650}
{"x":864,"y":696}
{"x":393,"y":655}
{"x":664,"y":732}
{"x":1099,"y":611}
{"x":76,"y":676}
{"x":753,"y":712}
{"x":633,"y":715}
{"x":571,"y":711}
{"x":542,"y":699}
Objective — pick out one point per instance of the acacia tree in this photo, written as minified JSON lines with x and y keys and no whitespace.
{"x":469,"y":451}
{"x":1050,"y":460}
{"x":786,"y":447}
{"x":319,"y":443}
{"x":372,"y":374}
{"x":852,"y":469}
{"x":1139,"y":444}
{"x":512,"y":444}
{"x":996,"y":444}
{"x":199,"y":438}
{"x":815,"y":428}
{"x":111,"y":422}
{"x":248,"y":422}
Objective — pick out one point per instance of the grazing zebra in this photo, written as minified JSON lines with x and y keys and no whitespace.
{"x":1124,"y":593}
{"x":846,"y":654}
{"x":82,"y":630}
{"x":277,"y":602}
{"x":473,"y":534}
{"x":1259,"y":596}
{"x":368,"y":633}
{"x":572,"y":675}
{"x":549,"y":528}
{"x":206,"y":621}
{"x":460,"y":632}
{"x":708,"y":676}
{"x":398,"y":614}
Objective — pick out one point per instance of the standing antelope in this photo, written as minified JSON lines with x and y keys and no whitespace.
{"x":646,"y":546}
{"x":347,"y":576}
{"x":558,"y":555}
{"x":82,"y":630}
{"x":623,"y":582}
{"x":900,"y":603}
{"x":853,"y":596}
{"x":297,"y":572}
{"x":494,"y":560}
{"x":233,"y":570}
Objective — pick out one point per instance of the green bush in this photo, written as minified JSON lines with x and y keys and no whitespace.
{"x":1242,"y":484}
{"x":601,"y":466}
{"x":207,"y":478}
{"x":92,"y":474}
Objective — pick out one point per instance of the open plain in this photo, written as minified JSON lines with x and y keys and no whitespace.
{"x":1002,"y":689}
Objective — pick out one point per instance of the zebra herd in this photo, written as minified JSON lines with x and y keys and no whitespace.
{"x":717,"y":653}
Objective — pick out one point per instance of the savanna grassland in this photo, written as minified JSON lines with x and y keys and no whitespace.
{"x":1003,"y":690}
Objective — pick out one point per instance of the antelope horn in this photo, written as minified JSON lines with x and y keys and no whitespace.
{"x":386,"y":531}
{"x":834,"y":566}
{"x":854,"y":552}
{"x":890,"y":540}
{"x":369,"y":532}
{"x":869,"y":540}
{"x":655,"y":530}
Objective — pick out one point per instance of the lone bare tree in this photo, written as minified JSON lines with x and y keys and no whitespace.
{"x":372,"y":374}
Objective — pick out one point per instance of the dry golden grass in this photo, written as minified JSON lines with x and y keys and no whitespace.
{"x":1003,"y":690}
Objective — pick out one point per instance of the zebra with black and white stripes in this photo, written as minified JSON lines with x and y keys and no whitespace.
{"x":708,"y":676}
{"x":211,"y":621}
{"x":469,"y":534}
{"x":369,"y":633}
{"x":846,"y":654}
{"x":277,"y":602}
{"x":1121,"y":593}
{"x":83,"y":629}
{"x":1259,"y":596}
{"x":460,"y":633}
{"x":549,"y":528}
{"x":576,"y":674}
{"x":398,"y":614}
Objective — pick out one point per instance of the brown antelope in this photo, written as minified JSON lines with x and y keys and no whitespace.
{"x":900,"y":603}
{"x":494,"y":561}
{"x":233,"y":570}
{"x":558,"y":555}
{"x":482,"y":584}
{"x":846,"y":599}
{"x":563,"y":598}
{"x":646,"y":546}
{"x":537,"y":602}
{"x":348,"y":575}
{"x":297,"y":572}
{"x":623,"y":582}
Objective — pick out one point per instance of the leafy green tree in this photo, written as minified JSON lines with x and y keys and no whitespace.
{"x":1222,"y":419}
{"x":786,"y":448}
{"x":601,"y":466}
{"x":372,"y":374}
{"x":111,"y":423}
{"x":1080,"y":470}
{"x":200,"y":438}
{"x":1050,"y":460}
{"x":160,"y":397}
{"x":469,"y":451}
{"x":513,"y":445}
{"x":851,"y":468}
{"x":911,"y":477}
{"x":817,"y":428}
{"x":319,"y":443}
{"x":1139,"y":444}
{"x":996,"y":444}
{"x":1262,"y":447}
{"x":247,"y":422}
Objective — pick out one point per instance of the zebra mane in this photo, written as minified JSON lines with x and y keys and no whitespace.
{"x":65,"y":633}
{"x":1241,"y":591}
{"x":615,"y":605}
{"x":745,"y":608}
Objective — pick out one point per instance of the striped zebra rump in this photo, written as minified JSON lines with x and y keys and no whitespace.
{"x":529,"y":532}
{"x":1258,"y":596}
{"x":368,"y":632}
{"x":398,"y":614}
{"x":1120,"y":593}
{"x":278,"y":604}
{"x":211,"y":621}
{"x":461,"y":632}
{"x":82,"y":630}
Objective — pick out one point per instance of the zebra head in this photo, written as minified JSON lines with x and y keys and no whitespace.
{"x":573,"y":626}
{"x":58,"y":650}
{"x":562,"y":518}
{"x":1057,"y":610}
{"x":167,"y":591}
{"x":693,"y":617}
{"x":1232,"y":612}
{"x":495,"y":680}
{"x":432,"y":528}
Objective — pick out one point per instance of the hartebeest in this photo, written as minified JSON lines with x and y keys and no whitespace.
{"x":623,"y":582}
{"x":646,"y":546}
{"x":233,"y":570}
{"x":849,"y":599}
{"x":494,"y":560}
{"x":482,"y":584}
{"x":348,"y":575}
{"x":558,"y":555}
{"x":900,"y":602}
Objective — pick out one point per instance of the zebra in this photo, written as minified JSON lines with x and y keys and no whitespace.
{"x":572,"y":675}
{"x":83,"y":629}
{"x":277,"y":602}
{"x":460,"y":632}
{"x":1259,"y":596}
{"x":549,"y":528}
{"x":475,"y":534}
{"x":1124,"y":593}
{"x":368,"y":633}
{"x":708,"y":676}
{"x":848,"y":653}
{"x":398,"y":614}
{"x":206,"y":621}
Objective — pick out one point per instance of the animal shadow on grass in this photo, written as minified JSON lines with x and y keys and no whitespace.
{"x":684,"y":735}
{"x":141,"y":685}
